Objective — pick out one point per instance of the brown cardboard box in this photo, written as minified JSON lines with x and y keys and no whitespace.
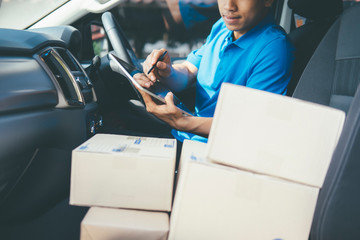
{"x":193,"y":150}
{"x":273,"y":134}
{"x":218,"y":202}
{"x":111,"y":223}
{"x":124,"y":172}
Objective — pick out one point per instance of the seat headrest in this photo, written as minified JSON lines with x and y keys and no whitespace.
{"x":316,"y":9}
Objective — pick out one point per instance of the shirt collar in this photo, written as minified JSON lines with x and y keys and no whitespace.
{"x":248,"y":38}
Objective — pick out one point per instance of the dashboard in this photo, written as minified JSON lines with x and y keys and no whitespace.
{"x":41,"y":71}
{"x":48,"y":106}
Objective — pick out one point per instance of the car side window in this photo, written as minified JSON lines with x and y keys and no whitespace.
{"x":99,"y":41}
{"x":177,"y":25}
{"x":180,"y":26}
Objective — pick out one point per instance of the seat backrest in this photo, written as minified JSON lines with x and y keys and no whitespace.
{"x":337,"y":214}
{"x":332,"y":78}
{"x":333,"y":73}
{"x":319,"y":14}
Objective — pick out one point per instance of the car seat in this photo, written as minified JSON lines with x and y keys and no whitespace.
{"x":333,"y":73}
{"x":331,"y":78}
{"x":319,"y":14}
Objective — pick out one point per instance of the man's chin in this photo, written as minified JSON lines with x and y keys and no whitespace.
{"x":233,"y":27}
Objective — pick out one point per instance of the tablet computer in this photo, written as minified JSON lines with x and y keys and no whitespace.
{"x":158,"y":91}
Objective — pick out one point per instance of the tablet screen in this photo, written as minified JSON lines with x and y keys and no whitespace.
{"x":158,"y":91}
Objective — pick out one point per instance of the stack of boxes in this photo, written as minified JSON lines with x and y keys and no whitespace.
{"x":128,"y":181}
{"x":258,"y":177}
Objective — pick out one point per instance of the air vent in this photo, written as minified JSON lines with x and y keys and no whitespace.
{"x":78,"y":72}
{"x":64,"y":77}
{"x":69,"y":60}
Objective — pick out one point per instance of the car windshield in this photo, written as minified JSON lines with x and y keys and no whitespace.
{"x":21,"y":14}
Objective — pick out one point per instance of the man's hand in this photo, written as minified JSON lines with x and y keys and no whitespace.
{"x":162,"y":68}
{"x":171,"y":114}
{"x":143,"y":80}
{"x":167,"y":112}
{"x":176,"y":77}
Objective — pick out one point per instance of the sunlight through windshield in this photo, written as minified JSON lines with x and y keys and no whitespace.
{"x":21,"y":14}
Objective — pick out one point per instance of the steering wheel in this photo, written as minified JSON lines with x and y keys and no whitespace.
{"x":124,"y":51}
{"x":119,"y":40}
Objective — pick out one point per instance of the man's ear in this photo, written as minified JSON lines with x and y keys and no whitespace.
{"x":268,"y":3}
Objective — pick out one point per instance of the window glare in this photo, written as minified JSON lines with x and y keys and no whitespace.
{"x":20,"y":14}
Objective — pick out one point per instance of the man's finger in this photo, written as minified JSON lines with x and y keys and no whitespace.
{"x":143,"y":80}
{"x":169,"y":100}
{"x":143,"y":94}
{"x":147,"y":98}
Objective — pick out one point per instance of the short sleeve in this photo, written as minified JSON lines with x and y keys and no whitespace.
{"x":272,"y":68}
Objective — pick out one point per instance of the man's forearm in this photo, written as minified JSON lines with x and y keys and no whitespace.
{"x":196,"y":125}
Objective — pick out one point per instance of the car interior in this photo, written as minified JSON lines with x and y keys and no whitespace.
{"x":331,"y":78}
{"x":56,"y":93}
{"x":307,"y":37}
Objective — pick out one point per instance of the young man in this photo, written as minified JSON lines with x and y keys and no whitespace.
{"x":245,"y":47}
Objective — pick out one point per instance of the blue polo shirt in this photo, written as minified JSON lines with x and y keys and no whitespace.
{"x":261,"y":59}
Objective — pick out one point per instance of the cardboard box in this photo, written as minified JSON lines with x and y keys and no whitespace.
{"x":193,"y":150}
{"x":218,"y":202}
{"x":274,"y":134}
{"x":109,"y":224}
{"x":124,"y":171}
